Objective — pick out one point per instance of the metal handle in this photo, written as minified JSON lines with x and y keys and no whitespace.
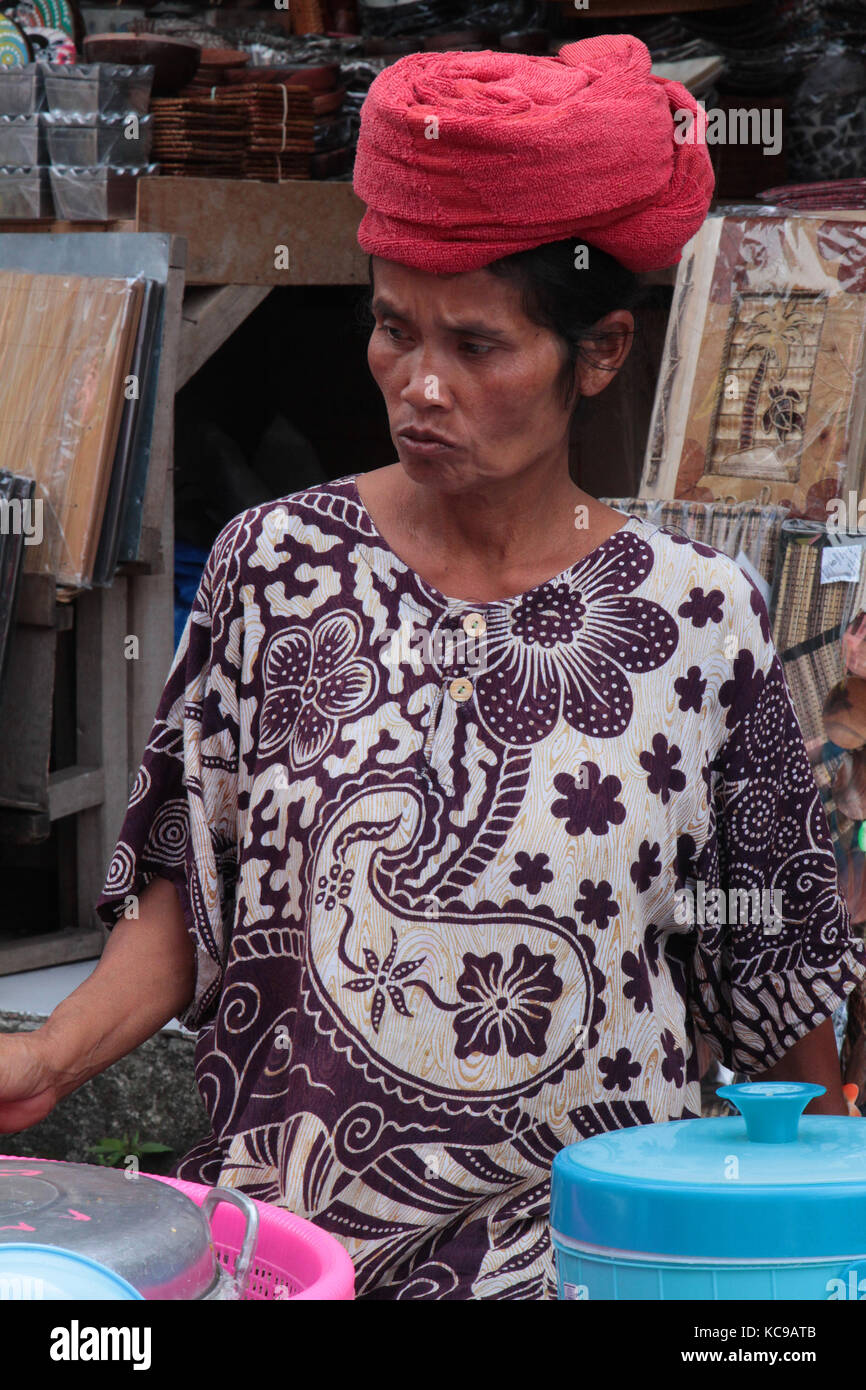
{"x":251,"y":1230}
{"x":771,"y":1109}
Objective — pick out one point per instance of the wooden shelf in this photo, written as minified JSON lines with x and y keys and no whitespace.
{"x":54,"y":948}
{"x":234,"y":226}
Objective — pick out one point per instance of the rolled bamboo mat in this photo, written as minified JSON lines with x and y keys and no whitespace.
{"x":66,"y":344}
{"x":731,"y":527}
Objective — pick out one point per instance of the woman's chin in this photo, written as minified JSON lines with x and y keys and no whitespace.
{"x":431,"y":471}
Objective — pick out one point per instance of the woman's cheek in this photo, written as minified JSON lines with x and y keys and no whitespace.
{"x":375,"y":361}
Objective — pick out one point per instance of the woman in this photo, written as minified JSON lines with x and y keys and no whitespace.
{"x":442,"y":743}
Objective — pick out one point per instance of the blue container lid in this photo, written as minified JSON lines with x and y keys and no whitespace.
{"x":769,"y":1183}
{"x":44,"y":1272}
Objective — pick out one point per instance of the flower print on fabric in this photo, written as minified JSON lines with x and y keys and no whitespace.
{"x":619,"y":1071}
{"x":673,"y":1066}
{"x":312,"y":680}
{"x":531,"y":873}
{"x":690,"y":689}
{"x":646,"y":867}
{"x":595,"y":903}
{"x":741,"y":693}
{"x":637,"y":988}
{"x":505,"y":1007}
{"x":664,"y":777}
{"x":565,"y":650}
{"x":411,"y":993}
{"x":773,"y":838}
{"x":589,"y":805}
{"x":387,"y":977}
{"x":703,"y":608}
{"x":697,"y":546}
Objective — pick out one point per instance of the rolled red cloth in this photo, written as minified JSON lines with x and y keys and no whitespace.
{"x":466,"y":157}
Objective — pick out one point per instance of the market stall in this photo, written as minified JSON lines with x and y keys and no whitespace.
{"x":176,"y":199}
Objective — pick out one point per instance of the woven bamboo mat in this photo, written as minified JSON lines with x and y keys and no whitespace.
{"x":730,"y":527}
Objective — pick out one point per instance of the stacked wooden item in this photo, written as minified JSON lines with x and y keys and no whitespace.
{"x":199,"y":137}
{"x":268,"y":124}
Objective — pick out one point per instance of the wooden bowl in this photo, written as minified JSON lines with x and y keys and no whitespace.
{"x":854,"y":646}
{"x":175,"y":61}
{"x":315,"y":79}
{"x":852,"y":882}
{"x":535,"y":41}
{"x":845,"y":713}
{"x":457,"y":39}
{"x":223,"y":58}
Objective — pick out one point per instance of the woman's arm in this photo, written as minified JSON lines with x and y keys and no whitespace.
{"x":814,"y":1058}
{"x":145,"y":977}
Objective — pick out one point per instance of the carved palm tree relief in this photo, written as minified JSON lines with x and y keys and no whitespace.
{"x":768,"y":366}
{"x":777,"y":327}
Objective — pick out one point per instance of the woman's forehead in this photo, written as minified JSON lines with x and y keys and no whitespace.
{"x":472,"y":294}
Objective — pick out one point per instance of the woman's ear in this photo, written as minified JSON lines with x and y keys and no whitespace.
{"x":604,"y":352}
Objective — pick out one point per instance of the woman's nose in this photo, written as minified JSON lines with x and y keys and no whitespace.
{"x":425,"y":386}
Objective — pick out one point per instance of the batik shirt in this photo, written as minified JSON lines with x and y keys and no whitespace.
{"x":433,"y":857}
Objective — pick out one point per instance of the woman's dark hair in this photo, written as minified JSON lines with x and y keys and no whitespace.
{"x":566,"y":287}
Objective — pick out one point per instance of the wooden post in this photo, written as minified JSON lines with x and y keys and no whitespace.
{"x":102,"y":674}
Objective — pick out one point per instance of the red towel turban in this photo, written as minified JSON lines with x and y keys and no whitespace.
{"x":529,"y":150}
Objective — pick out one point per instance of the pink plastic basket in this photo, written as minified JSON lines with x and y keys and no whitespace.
{"x":293,"y":1258}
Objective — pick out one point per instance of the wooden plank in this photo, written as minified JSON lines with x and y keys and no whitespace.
{"x":102,"y":666}
{"x":210,"y":316}
{"x":55,"y":948}
{"x":23,"y":827}
{"x":233,"y":228}
{"x":39,"y":604}
{"x":53,"y":326}
{"x":25,"y":718}
{"x":124,"y":224}
{"x":150,"y":615}
{"x":162,"y":434}
{"x":37,"y":600}
{"x":74,"y":789}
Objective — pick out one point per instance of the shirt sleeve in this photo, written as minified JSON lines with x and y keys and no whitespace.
{"x":181,"y":821}
{"x":757,"y":986}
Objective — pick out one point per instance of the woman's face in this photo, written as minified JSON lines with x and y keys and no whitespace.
{"x":470,"y":383}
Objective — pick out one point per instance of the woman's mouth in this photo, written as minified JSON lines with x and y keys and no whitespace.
{"x":425,"y":442}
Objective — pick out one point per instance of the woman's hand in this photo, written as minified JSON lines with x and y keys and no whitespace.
{"x":29,"y":1089}
{"x":145,"y":977}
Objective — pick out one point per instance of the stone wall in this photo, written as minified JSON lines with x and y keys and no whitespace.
{"x":152,"y":1091}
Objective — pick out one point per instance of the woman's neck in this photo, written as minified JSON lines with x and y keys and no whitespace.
{"x":498,"y":538}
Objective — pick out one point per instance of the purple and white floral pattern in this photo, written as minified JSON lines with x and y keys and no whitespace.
{"x":435,"y":939}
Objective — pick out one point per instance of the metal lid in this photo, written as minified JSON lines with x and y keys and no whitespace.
{"x":765,"y":1184}
{"x":150,"y":1234}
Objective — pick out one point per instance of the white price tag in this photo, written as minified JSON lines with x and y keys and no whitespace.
{"x":840,"y":563}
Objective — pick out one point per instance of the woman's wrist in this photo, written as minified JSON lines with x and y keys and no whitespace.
{"x":63,"y":1052}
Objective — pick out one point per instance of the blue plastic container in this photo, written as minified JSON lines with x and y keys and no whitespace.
{"x":769,"y":1204}
{"x":43,"y":1272}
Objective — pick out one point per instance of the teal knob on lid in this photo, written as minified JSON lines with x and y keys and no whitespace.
{"x":771,"y":1109}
